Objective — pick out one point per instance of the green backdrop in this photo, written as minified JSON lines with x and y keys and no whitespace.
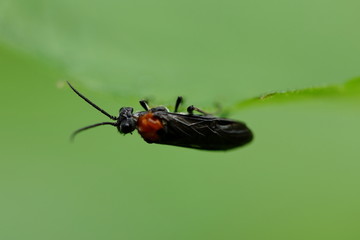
{"x":298,"y":179}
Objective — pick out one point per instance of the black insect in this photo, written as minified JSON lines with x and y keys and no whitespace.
{"x":158,"y":125}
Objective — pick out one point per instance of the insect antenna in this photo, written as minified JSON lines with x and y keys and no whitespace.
{"x":91,"y":103}
{"x":90,"y":126}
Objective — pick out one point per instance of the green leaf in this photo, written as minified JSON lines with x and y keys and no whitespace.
{"x":204,"y":50}
{"x":347,"y":89}
{"x":298,"y":179}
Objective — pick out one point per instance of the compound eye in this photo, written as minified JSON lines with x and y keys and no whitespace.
{"x":127,"y":126}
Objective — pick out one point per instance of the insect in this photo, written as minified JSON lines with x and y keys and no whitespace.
{"x":158,"y":125}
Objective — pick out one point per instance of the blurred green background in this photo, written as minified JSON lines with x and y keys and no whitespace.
{"x":299,"y":179}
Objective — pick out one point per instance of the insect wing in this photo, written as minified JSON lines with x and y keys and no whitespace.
{"x":202,"y":132}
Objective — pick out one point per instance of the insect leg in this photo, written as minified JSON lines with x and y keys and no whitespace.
{"x":144,"y":104}
{"x":178,"y":102}
{"x":191,"y":110}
